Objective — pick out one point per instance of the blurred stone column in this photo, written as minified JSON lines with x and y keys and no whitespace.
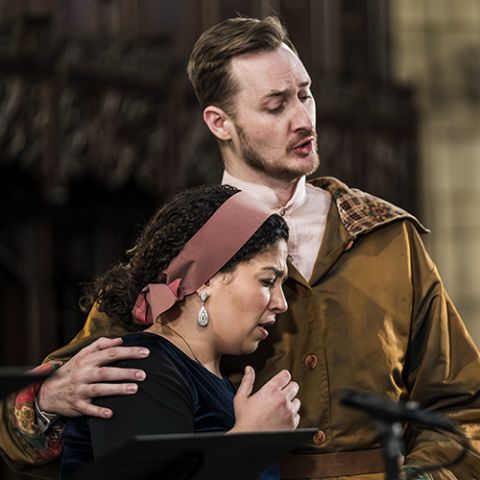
{"x":326,"y":41}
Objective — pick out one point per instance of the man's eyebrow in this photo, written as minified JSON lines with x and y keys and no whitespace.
{"x":275,"y":93}
{"x":282,"y":93}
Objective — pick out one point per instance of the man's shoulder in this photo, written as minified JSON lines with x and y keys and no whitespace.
{"x":360,"y":212}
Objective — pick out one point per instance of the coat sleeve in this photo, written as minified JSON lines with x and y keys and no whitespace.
{"x":442,"y":373}
{"x":23,"y":448}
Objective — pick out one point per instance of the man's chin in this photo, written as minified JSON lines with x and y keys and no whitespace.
{"x":299,"y":168}
{"x":292,"y":168}
{"x":313,"y":167}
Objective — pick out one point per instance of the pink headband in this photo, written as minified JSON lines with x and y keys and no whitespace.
{"x":224,"y":234}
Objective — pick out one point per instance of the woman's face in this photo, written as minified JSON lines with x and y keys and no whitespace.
{"x":243,"y":303}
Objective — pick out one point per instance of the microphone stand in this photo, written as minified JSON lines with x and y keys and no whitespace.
{"x":391,"y":432}
{"x":388,"y":415}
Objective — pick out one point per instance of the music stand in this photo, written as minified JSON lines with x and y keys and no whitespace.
{"x":199,"y":456}
{"x":14,"y":378}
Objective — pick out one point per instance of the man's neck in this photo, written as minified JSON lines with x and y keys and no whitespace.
{"x":283,"y":189}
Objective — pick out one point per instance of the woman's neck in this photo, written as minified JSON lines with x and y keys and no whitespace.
{"x":192,"y":345}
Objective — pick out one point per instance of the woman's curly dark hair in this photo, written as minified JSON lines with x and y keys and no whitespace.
{"x":162,"y":239}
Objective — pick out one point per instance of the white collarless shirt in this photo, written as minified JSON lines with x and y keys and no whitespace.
{"x":305,"y":214}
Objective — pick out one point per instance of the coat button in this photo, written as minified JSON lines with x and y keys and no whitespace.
{"x":311,"y":361}
{"x":304,"y":291}
{"x":282,"y":212}
{"x":348,"y":246}
{"x":319,"y":438}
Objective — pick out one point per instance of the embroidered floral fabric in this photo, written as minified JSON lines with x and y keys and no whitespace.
{"x":49,"y":444}
{"x":360,"y":211}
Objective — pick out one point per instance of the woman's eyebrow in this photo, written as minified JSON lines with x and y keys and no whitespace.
{"x":277,"y":272}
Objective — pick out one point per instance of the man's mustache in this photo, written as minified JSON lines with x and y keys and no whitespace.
{"x":303,"y":136}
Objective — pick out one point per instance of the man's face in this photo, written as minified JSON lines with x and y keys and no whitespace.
{"x":275,"y":116}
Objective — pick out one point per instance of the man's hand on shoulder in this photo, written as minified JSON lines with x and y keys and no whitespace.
{"x":70,"y":390}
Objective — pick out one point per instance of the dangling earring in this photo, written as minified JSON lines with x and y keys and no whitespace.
{"x":203,"y":314}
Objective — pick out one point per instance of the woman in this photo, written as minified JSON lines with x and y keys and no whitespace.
{"x":205,"y":280}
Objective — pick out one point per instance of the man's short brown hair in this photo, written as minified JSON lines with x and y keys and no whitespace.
{"x":209,"y":67}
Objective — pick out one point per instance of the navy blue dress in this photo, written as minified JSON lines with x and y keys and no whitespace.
{"x":178,"y":396}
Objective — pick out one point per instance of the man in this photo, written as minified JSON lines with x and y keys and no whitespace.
{"x":367,"y":309}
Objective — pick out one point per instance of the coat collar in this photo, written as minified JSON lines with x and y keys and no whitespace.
{"x":361,"y":212}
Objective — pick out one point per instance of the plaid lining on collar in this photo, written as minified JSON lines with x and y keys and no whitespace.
{"x":361,"y":212}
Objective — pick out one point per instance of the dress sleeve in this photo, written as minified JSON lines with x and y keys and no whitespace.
{"x":163,"y":404}
{"x":443,"y":368}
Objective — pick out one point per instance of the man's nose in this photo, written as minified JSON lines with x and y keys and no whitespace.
{"x":303,"y":117}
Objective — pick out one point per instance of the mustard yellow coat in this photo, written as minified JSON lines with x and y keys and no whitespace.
{"x":375,"y":318}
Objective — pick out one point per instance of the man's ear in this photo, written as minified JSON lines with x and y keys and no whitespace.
{"x":218,"y":122}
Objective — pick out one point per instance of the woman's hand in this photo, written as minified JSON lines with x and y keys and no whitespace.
{"x":273,"y":407}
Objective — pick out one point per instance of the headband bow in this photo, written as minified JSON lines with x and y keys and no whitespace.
{"x":204,"y":255}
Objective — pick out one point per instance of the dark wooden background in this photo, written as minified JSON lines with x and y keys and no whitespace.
{"x":99,"y":124}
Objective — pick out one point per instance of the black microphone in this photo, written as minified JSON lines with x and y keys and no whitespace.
{"x":380,"y":407}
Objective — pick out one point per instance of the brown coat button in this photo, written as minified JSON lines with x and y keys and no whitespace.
{"x":311,"y":361}
{"x":304,"y":291}
{"x":319,"y":438}
{"x":348,"y":246}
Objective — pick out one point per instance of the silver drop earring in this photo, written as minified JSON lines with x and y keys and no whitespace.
{"x":203,"y":314}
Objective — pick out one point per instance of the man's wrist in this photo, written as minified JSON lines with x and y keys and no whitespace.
{"x":44,"y":419}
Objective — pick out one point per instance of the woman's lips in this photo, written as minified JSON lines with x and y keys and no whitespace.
{"x":263,"y":332}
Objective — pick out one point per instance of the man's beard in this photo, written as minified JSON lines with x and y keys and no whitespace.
{"x":272,"y":169}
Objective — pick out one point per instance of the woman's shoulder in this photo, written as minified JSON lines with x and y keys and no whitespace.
{"x":161,"y":367}
{"x":196,"y":375}
{"x":160,"y":353}
{"x":142,"y":339}
{"x":156,"y":343}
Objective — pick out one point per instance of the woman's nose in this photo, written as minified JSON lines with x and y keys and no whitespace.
{"x":278,"y":302}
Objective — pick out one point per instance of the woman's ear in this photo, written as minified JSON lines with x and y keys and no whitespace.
{"x":218,"y":122}
{"x":204,"y":288}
